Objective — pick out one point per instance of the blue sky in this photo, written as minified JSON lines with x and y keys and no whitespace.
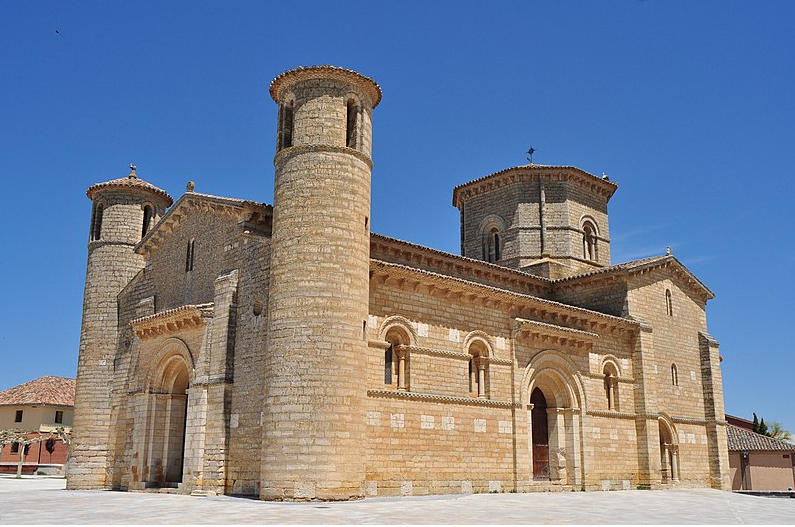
{"x":688,"y":106}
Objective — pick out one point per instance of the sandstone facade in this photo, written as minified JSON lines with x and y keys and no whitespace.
{"x":288,"y":352}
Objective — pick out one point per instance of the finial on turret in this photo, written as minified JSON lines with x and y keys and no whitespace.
{"x":132,"y":172}
{"x":531,"y":152}
{"x":668,"y":251}
{"x":190,"y":186}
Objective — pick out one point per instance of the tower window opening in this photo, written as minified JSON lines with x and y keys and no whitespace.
{"x":589,"y":249}
{"x":669,"y":307}
{"x":189,"y":255}
{"x":352,"y":119}
{"x":96,"y":221}
{"x":147,"y":220}
{"x":674,"y":375}
{"x":285,"y":132}
{"x":492,"y":246}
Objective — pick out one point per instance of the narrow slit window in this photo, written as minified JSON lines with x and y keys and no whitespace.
{"x":674,"y":375}
{"x":147,"y":220}
{"x":284,"y":133}
{"x":388,"y":365}
{"x":189,"y":255}
{"x":350,"y":128}
{"x":96,"y":221}
{"x":669,"y":307}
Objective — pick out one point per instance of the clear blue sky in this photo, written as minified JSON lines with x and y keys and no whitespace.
{"x":689,"y":106}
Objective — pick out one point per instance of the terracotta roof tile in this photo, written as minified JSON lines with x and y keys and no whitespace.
{"x":51,"y":391}
{"x":371,"y":87}
{"x":742,"y":439}
{"x":129,"y":182}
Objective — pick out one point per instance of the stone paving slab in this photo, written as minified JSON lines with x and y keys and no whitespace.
{"x":44,"y":500}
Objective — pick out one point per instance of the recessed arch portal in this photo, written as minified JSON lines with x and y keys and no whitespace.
{"x":554,"y":396}
{"x":168,"y":384}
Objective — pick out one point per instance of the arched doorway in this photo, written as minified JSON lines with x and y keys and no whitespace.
{"x":540,"y":436}
{"x":168,"y":418}
{"x":669,"y":453}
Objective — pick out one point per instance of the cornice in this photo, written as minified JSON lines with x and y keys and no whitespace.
{"x":457,"y":289}
{"x":435,"y":398}
{"x":463,"y":192}
{"x":556,"y":335}
{"x":291,"y":151}
{"x":611,"y":413}
{"x":172,"y":320}
{"x":398,"y":251}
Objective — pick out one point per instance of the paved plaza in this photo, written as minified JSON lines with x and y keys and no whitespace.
{"x":42,"y":500}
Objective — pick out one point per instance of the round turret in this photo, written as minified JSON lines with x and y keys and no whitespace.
{"x":313,"y":425}
{"x":123,"y":212}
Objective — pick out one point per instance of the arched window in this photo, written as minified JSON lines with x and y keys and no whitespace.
{"x":352,"y":124}
{"x":589,"y":249}
{"x":669,"y":307}
{"x":674,"y":375}
{"x":96,"y":221}
{"x":491,"y":246}
{"x":611,"y":386}
{"x":147,"y":220}
{"x":284,"y":137}
{"x":478,"y":370}
{"x":397,"y":352}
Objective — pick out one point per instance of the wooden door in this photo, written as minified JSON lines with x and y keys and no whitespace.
{"x":540,"y":436}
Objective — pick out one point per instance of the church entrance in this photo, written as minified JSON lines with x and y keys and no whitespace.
{"x":167,"y":426}
{"x":669,"y":453}
{"x":540,"y":436}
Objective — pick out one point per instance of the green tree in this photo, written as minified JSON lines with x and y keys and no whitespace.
{"x":24,"y":438}
{"x":779,"y":433}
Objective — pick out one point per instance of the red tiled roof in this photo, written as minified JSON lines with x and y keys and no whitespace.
{"x":369,"y":85}
{"x":50,"y":391}
{"x":742,"y":439}
{"x":129,"y":182}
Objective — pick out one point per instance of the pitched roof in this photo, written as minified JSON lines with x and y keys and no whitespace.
{"x":195,"y":199}
{"x":49,"y":391}
{"x":742,"y":439}
{"x":642,"y":265}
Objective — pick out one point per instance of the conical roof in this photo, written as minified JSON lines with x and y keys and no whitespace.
{"x":131,"y":181}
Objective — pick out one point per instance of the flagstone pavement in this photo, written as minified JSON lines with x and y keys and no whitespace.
{"x":45,"y":500}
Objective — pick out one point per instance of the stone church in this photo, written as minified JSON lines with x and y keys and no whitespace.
{"x":286,"y":351}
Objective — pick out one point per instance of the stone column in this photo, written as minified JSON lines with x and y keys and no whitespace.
{"x":401,"y":353}
{"x":557,"y":444}
{"x":481,"y":364}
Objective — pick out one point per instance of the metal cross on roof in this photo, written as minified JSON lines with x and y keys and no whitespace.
{"x":531,"y":152}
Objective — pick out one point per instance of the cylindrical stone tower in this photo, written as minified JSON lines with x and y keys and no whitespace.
{"x":123,"y":211}
{"x":313,"y":415}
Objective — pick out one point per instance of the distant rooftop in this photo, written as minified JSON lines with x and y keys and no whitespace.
{"x":742,"y":439}
{"x":44,"y":391}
